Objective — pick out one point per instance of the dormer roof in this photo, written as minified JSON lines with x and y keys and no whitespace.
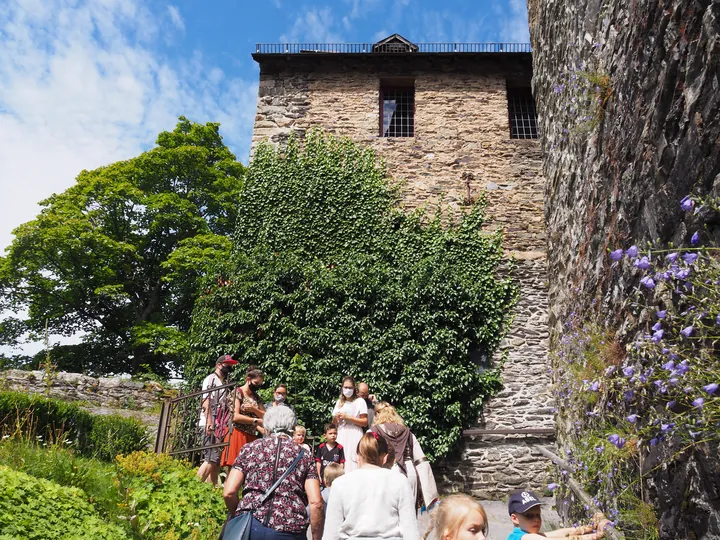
{"x":394,"y":43}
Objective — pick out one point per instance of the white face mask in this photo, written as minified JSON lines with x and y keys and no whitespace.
{"x":279,"y":398}
{"x":348,"y":392}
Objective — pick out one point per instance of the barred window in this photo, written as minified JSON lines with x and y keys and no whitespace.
{"x":523,"y":117}
{"x":397,"y":112}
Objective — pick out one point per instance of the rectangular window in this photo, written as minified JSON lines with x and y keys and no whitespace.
{"x":523,"y":117}
{"x":397,"y":112}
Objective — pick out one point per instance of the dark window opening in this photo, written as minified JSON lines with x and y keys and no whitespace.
{"x":397,"y":112}
{"x":523,"y":116}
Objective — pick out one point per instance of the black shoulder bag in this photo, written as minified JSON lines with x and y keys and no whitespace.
{"x":238,"y":528}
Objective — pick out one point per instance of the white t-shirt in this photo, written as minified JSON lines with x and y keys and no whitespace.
{"x":371,"y":503}
{"x":211,"y":381}
{"x":353,"y":408}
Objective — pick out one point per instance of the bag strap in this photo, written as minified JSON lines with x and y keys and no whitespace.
{"x":290,"y":469}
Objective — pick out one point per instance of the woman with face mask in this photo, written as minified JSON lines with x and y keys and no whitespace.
{"x":248,"y":413}
{"x":350,"y":415}
{"x":280,"y":398}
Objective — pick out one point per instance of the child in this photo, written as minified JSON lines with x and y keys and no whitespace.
{"x":299,"y":437}
{"x":458,"y":517}
{"x":330,"y":451}
{"x":524,"y":509}
{"x":332,"y":472}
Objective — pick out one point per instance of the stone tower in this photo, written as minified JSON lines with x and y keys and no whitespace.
{"x":451,"y":120}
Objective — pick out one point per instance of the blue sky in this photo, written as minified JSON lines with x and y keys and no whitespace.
{"x":86,"y":83}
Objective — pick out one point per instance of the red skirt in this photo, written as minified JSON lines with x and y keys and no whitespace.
{"x":238,"y":439}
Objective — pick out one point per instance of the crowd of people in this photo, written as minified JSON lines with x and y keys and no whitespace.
{"x":367,"y":480}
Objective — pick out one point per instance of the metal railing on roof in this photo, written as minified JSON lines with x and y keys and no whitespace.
{"x":389,"y":48}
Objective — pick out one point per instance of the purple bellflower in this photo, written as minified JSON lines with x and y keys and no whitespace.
{"x":695,"y":239}
{"x":632,"y":252}
{"x":687,"y":331}
{"x":690,"y":258}
{"x":699,"y":402}
{"x":711,"y":388}
{"x":616,"y":255}
{"x":661,"y":314}
{"x":642,"y":263}
{"x":648,"y":282}
{"x":617,"y":440}
{"x":687,"y":204}
{"x":632,"y":418}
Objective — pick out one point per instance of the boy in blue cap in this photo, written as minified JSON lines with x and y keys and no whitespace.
{"x":524,"y":509}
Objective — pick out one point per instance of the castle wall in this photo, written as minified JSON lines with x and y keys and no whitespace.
{"x":619,"y":182}
{"x":461,"y":148}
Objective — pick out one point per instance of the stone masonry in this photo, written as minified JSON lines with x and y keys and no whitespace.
{"x":621,"y":182}
{"x":461,"y":148}
{"x":116,"y":396}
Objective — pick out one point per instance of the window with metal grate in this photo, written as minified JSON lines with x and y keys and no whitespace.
{"x":397,"y":112}
{"x":523,"y":116}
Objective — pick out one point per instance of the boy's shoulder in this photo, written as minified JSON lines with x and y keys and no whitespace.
{"x":517,"y":534}
{"x":322,"y":445}
{"x":339,"y":446}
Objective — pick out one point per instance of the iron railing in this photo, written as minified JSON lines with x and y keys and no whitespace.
{"x":178,"y":431}
{"x":389,"y":48}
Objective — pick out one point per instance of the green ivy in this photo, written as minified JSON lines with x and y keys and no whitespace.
{"x":329,"y":277}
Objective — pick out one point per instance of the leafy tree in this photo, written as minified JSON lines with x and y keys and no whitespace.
{"x":117,"y":256}
{"x":328,"y":278}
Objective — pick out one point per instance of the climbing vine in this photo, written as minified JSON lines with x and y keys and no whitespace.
{"x":328,"y":277}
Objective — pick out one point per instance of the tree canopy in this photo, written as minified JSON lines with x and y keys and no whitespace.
{"x":329,"y":278}
{"x":117,"y":256}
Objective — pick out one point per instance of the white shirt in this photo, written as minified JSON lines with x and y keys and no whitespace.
{"x":211,"y":381}
{"x":371,"y":503}
{"x":353,"y":408}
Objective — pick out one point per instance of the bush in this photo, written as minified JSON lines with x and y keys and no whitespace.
{"x":168,"y":500}
{"x":103,"y":437}
{"x":96,"y":478}
{"x":330,"y":278}
{"x":34,"y":508}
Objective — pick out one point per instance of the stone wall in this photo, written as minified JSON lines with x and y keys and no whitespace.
{"x":116,"y":396}
{"x":621,"y":181}
{"x":461,"y":148}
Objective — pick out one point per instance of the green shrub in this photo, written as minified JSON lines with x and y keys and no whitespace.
{"x":96,"y":478}
{"x":34,"y":508}
{"x":168,"y":500}
{"x":98,"y":436}
{"x":330,"y":278}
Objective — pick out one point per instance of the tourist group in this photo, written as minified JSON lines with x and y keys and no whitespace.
{"x":366,"y":481}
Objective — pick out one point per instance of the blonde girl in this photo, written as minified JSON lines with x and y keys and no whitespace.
{"x":458,"y":517}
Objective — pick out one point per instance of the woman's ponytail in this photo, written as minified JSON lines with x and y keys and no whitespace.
{"x":372,"y":448}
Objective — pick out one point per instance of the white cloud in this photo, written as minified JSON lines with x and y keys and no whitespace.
{"x":176,"y":18}
{"x":83,"y":85}
{"x":313,"y":26}
{"x":515,"y":25}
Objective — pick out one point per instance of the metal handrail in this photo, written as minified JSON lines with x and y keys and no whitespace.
{"x":581,"y":494}
{"x":389,"y":48}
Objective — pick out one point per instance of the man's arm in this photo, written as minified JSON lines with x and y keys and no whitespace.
{"x":317,"y":508}
{"x":209,"y":422}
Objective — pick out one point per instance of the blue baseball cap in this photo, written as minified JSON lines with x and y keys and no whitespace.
{"x":522,"y":501}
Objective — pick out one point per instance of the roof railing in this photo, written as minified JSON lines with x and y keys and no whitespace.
{"x":389,"y":48}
